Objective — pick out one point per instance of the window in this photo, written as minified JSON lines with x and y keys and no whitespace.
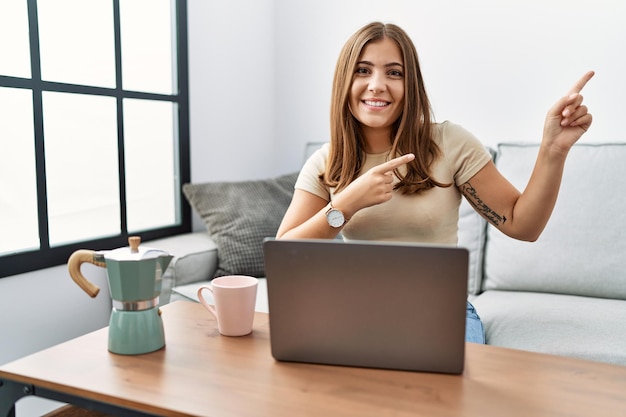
{"x":94,"y":131}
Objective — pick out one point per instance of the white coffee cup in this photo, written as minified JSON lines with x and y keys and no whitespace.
{"x":235,"y":299}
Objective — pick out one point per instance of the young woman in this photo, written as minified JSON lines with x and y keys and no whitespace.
{"x":391,"y":173}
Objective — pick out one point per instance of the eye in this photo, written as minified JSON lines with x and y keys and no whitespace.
{"x":396,"y":73}
{"x":362,"y":70}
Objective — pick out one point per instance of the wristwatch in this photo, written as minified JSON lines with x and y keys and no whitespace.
{"x":335,"y":217}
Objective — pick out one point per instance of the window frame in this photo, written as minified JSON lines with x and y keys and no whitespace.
{"x":46,"y":256}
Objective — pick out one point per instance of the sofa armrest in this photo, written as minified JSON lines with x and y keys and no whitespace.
{"x":195,"y":259}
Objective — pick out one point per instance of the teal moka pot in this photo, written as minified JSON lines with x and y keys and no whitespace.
{"x":134,"y":275}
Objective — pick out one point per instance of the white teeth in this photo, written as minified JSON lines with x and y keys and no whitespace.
{"x":375,"y":103}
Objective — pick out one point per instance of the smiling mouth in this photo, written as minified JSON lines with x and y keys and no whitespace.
{"x":376,"y":103}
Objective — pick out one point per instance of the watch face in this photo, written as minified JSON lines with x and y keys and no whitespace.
{"x":335,"y":218}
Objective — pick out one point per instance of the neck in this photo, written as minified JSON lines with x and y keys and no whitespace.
{"x":377,"y":140}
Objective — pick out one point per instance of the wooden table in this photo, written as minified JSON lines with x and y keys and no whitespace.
{"x":200,"y":373}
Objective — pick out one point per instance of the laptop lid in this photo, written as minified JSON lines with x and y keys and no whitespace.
{"x":367,"y":304}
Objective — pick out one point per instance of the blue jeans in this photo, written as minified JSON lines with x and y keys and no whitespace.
{"x":474,"y":331}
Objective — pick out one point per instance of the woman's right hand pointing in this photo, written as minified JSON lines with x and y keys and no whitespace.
{"x":373,"y":187}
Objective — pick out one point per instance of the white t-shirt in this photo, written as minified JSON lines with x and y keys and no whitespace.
{"x":428,"y":217}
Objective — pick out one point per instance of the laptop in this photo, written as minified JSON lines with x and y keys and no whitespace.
{"x":367,"y":304}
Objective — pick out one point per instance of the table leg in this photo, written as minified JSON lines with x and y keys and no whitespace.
{"x":10,"y":392}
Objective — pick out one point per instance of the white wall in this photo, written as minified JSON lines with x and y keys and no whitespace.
{"x":260,"y":78}
{"x":493,"y":66}
{"x":261,"y":71}
{"x":232,"y":88}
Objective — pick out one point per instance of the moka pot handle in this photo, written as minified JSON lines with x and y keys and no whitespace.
{"x":74,"y":263}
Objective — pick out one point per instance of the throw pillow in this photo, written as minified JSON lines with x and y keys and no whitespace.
{"x":239,"y":216}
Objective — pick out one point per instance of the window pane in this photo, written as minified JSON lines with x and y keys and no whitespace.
{"x":18,"y":189}
{"x":151,"y":171}
{"x":14,"y":46}
{"x":80,"y":133}
{"x":147,"y":54}
{"x":77,"y":42}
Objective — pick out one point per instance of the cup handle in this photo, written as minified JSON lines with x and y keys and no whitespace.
{"x":204,"y":302}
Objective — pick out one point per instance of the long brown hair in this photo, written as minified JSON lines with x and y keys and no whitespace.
{"x":412,"y":132}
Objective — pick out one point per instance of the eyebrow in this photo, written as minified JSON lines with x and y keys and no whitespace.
{"x":391,"y":64}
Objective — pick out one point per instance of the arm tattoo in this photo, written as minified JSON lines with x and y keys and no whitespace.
{"x":472,"y":196}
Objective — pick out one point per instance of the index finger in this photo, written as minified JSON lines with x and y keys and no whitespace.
{"x":395,"y":163}
{"x":576,"y":88}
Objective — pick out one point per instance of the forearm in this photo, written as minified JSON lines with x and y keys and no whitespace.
{"x":533,"y":208}
{"x":565,"y":123}
{"x":316,"y":227}
{"x":306,"y":218}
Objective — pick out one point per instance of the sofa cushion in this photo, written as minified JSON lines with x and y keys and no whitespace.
{"x":581,"y":251}
{"x":581,"y":327}
{"x":239,"y":216}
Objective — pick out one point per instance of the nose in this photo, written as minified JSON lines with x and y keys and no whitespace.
{"x":377,"y":83}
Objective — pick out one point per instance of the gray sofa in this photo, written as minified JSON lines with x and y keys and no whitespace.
{"x":564,"y":294}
